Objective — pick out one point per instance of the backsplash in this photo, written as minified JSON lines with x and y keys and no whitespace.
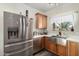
{"x":40,"y":32}
{"x":64,"y":33}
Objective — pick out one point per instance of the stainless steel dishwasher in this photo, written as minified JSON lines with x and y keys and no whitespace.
{"x":36,"y":44}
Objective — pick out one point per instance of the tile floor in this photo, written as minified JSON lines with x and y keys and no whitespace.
{"x":45,"y":53}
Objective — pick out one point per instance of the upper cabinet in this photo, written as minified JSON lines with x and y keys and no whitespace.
{"x":41,"y":21}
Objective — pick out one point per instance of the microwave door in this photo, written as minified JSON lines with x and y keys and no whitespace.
{"x":24,"y":27}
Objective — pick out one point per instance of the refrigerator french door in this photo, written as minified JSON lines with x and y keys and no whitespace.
{"x":15,"y":29}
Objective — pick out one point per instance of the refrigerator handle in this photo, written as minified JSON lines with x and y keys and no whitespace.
{"x":24,"y":27}
{"x":20,"y":27}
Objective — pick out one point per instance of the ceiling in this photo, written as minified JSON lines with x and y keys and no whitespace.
{"x":43,"y":6}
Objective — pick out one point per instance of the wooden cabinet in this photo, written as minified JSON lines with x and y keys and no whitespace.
{"x":61,"y":50}
{"x":41,"y":21}
{"x":73,"y":48}
{"x":44,"y":21}
{"x":46,"y":42}
{"x":54,"y":47}
{"x":49,"y":45}
{"x":43,"y":42}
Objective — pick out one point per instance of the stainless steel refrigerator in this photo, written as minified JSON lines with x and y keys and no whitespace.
{"x":16,"y":40}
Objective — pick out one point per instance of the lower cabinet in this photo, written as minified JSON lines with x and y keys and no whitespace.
{"x":43,"y":42}
{"x":46,"y":42}
{"x":54,"y":47}
{"x":61,"y":50}
{"x":73,"y":48}
{"x":50,"y":46}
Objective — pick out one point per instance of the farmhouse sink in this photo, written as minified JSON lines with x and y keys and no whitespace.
{"x":59,"y":40}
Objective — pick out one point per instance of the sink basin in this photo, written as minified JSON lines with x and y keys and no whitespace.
{"x":53,"y":39}
{"x":59,"y":37}
{"x":59,"y":40}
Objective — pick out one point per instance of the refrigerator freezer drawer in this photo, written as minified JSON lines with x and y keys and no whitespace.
{"x":27,"y":52}
{"x":17,"y":47}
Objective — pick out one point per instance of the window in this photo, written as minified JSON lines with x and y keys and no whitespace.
{"x":65,"y":22}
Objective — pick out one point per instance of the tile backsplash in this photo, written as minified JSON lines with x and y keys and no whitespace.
{"x":40,"y":32}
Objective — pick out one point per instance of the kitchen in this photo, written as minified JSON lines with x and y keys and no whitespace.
{"x":39,"y":29}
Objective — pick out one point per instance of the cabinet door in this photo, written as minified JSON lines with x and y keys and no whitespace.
{"x":41,"y":21}
{"x":44,"y":22}
{"x":72,"y":48}
{"x":78,"y":49}
{"x":52,"y":47}
{"x":61,"y":50}
{"x":42,"y":42}
{"x":46,"y":43}
{"x":38,"y":21}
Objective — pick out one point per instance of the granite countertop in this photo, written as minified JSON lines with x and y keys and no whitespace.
{"x":74,"y":38}
{"x":36,"y":36}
